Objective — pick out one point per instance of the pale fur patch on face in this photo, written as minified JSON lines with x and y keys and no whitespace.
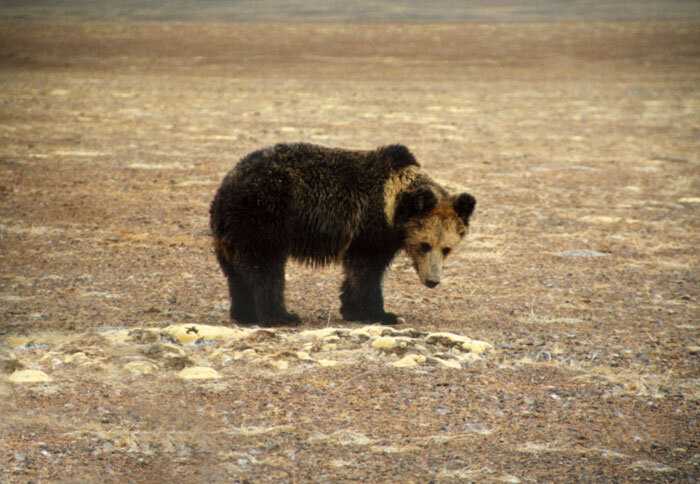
{"x":441,"y":229}
{"x":395,"y":184}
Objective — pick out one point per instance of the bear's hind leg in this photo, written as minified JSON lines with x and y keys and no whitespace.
{"x":267,"y":286}
{"x":361,"y":294}
{"x":242,"y":302}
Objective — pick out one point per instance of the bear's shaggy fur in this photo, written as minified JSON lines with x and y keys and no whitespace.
{"x":321,"y":205}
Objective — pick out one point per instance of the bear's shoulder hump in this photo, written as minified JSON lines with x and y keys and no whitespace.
{"x":397,"y":157}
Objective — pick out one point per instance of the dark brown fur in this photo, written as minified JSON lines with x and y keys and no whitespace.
{"x":318,"y":205}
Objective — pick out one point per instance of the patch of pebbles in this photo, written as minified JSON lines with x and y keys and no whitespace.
{"x":204,"y":352}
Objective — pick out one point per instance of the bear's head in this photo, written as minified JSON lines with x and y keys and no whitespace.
{"x":433,"y":228}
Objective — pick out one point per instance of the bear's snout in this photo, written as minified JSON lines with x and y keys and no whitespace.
{"x":431,"y":284}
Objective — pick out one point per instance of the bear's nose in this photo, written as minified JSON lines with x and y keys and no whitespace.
{"x":431,"y":284}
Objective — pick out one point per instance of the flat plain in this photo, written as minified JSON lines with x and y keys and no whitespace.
{"x":580,"y":140}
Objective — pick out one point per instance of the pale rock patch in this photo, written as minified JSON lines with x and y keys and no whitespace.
{"x":199,"y":373}
{"x":247,"y":354}
{"x":172,"y":356}
{"x":278,"y":364}
{"x":141,"y":367}
{"x":461,"y":342}
{"x":410,"y":361}
{"x":455,"y":365}
{"x":16,"y":341}
{"x":393,"y":449}
{"x":390,"y":344}
{"x":252,"y":431}
{"x":29,"y":376}
{"x":80,"y":153}
{"x":600,"y":219}
{"x":78,"y":358}
{"x":537,"y":447}
{"x":188,"y":333}
{"x":342,"y":437}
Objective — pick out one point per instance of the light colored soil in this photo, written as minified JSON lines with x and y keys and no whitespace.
{"x":573,"y":137}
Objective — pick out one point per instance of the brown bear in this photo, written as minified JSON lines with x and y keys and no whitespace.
{"x":321,"y":205}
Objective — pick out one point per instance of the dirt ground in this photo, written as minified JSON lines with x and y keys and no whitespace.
{"x":581,"y":142}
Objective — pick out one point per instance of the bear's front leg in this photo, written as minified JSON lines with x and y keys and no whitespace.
{"x":361,"y":294}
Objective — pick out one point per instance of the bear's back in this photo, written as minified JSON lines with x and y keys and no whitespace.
{"x":313,"y":200}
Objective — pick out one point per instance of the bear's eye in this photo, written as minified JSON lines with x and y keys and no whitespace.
{"x":446,"y":251}
{"x":425,"y":247}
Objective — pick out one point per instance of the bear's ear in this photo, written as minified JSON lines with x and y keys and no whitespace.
{"x":396,"y":157}
{"x":413,"y":204}
{"x":464,"y":206}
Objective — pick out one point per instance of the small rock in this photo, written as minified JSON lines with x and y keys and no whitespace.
{"x":323,"y":334}
{"x":477,"y":428}
{"x":141,"y":367}
{"x":446,"y":363}
{"x":461,"y":342}
{"x":177,"y":362}
{"x":303,"y":356}
{"x":410,"y":361}
{"x":693,"y":350}
{"x":690,"y":200}
{"x":508,"y":478}
{"x":29,"y":376}
{"x":173,"y":356}
{"x":75,"y":358}
{"x":222,"y":356}
{"x":468,"y":358}
{"x":160,"y":350}
{"x":246,"y":354}
{"x":389,"y":344}
{"x":199,"y":373}
{"x":143,"y":336}
{"x":371,"y":331}
{"x":189,"y":333}
{"x":327,"y":363}
{"x":278,"y":364}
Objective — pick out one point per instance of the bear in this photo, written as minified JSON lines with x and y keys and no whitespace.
{"x":322,"y":205}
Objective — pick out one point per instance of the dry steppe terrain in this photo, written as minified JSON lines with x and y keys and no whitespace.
{"x":563,"y":346}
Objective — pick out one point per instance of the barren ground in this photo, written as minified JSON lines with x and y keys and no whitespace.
{"x":581,"y":142}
